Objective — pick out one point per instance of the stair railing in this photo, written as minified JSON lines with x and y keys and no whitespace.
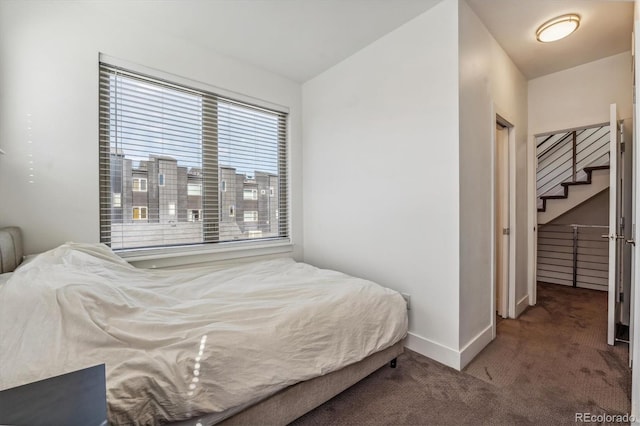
{"x":562,"y":156}
{"x":573,"y":255}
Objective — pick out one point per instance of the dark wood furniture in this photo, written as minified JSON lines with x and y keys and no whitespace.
{"x":76,"y":398}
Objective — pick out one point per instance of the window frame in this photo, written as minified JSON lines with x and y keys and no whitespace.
{"x":140,"y":181}
{"x":190,"y":216}
{"x":241,"y":248}
{"x":192,"y":185}
{"x":255,"y":216}
{"x":140,"y":209}
{"x":253,"y":194}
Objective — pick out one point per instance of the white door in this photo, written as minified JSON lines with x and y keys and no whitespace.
{"x":635,"y":289}
{"x":631,"y":241}
{"x":614,"y":241}
{"x":502,"y":220}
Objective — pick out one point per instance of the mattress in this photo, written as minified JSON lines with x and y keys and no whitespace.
{"x":181,"y":344}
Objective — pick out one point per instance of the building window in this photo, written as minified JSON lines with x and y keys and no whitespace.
{"x":139,"y":184}
{"x":250,"y":194}
{"x":140,"y":213}
{"x":195,"y":215}
{"x":116,"y":200}
{"x":200,"y":136}
{"x":272,"y":192}
{"x":194,"y":189}
{"x":251,"y":216}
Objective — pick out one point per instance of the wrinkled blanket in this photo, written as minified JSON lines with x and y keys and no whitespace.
{"x":178,"y":344}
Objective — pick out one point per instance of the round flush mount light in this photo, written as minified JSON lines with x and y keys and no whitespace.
{"x":558,"y":28}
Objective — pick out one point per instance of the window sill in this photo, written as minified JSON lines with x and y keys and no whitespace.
{"x":199,"y":254}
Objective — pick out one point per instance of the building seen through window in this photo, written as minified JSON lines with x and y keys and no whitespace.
{"x":182,"y":167}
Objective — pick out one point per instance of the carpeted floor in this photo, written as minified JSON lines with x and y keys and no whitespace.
{"x":543,"y":368}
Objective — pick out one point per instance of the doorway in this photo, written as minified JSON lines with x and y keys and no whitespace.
{"x":584,"y":237}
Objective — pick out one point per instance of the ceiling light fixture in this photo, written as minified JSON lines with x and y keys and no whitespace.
{"x":558,"y":28}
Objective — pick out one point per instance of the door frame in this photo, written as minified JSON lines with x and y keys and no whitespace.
{"x":501,"y":206}
{"x":532,"y":221}
{"x":511,"y":297}
{"x":614,"y":245}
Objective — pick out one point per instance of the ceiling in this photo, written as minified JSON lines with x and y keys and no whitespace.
{"x":605,"y":30}
{"x":300,"y":39}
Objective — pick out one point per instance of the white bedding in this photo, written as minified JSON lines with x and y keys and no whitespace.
{"x":178,"y":344}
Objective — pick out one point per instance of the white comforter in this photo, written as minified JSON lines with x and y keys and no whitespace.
{"x":177,"y":344}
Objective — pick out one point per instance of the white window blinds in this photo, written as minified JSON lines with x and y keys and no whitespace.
{"x":165,"y":149}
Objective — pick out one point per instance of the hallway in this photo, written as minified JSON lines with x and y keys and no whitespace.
{"x":558,"y":349}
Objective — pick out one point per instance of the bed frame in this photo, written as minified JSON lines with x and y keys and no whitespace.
{"x":11,"y":251}
{"x":279,"y":409}
{"x":296,"y":400}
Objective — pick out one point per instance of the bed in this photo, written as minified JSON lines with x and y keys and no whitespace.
{"x":263,"y":342}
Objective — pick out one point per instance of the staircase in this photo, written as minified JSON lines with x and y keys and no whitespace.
{"x":573,"y":166}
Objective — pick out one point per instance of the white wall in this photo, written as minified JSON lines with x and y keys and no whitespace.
{"x":581,"y":96}
{"x":380,"y":172}
{"x":490,"y":84}
{"x":49,"y":82}
{"x":594,"y":211}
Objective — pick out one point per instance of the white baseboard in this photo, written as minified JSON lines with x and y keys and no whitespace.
{"x":476,"y":344}
{"x":447,"y":356}
{"x":522,"y":305}
{"x":433,"y":350}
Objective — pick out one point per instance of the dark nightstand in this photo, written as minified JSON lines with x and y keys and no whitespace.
{"x":76,"y":398}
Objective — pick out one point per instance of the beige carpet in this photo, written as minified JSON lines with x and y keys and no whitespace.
{"x":561,"y":344}
{"x":543,"y":368}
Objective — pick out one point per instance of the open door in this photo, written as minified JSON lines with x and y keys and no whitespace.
{"x":616,"y":238}
{"x":502,"y":219}
{"x":627,"y":163}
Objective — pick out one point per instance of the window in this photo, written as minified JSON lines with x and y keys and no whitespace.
{"x":139,"y":213}
{"x":195,"y":215}
{"x":251,"y":216}
{"x":148,"y":125}
{"x":194,"y":189}
{"x":250,"y":194}
{"x":139,"y":185}
{"x":271,"y":192}
{"x":116,"y":199}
